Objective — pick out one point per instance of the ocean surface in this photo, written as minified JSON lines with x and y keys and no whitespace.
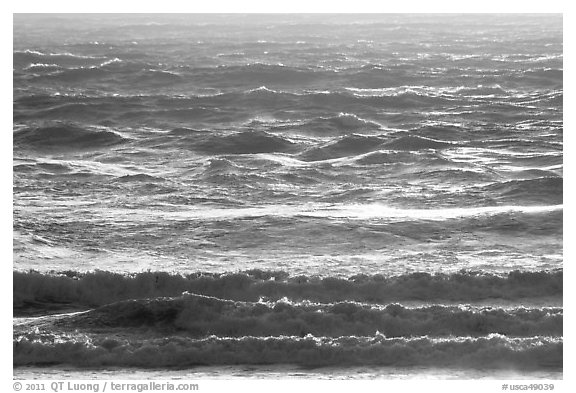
{"x":281,"y":196}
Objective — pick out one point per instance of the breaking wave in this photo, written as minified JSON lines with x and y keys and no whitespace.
{"x":493,"y":351}
{"x":199,"y":316}
{"x":33,"y":290}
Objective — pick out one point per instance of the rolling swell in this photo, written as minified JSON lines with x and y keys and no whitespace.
{"x":539,"y":190}
{"x":345,"y":146}
{"x":343,"y":124}
{"x":261,"y":73}
{"x":65,"y":137}
{"x":32,"y":290}
{"x":247,"y":142}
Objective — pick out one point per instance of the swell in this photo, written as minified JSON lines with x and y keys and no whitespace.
{"x":259,"y":73}
{"x":66,"y":136}
{"x":246,"y":142}
{"x":541,"y":77}
{"x":33,"y":291}
{"x":358,"y":144}
{"x":342,"y":147}
{"x":539,"y":190}
{"x":410,"y":142}
{"x":341,"y":124}
{"x":491,"y":352}
{"x":200,"y":316}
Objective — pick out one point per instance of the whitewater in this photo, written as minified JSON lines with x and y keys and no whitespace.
{"x":319,"y":196}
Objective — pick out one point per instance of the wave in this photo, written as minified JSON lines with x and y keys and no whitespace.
{"x":491,"y":352}
{"x":75,"y":75}
{"x":114,"y":71}
{"x":409,"y":142}
{"x":261,"y":73}
{"x":29,"y":57}
{"x":483,"y":90}
{"x":448,"y":173}
{"x":540,"y":190}
{"x":345,"y":146}
{"x":46,"y":167}
{"x":384,"y":157}
{"x":180,"y":116}
{"x":542,"y":77}
{"x":42,"y":67}
{"x":83,"y":111}
{"x":200,"y":316}
{"x":140,"y":177}
{"x":342,"y":124}
{"x":246,"y":142}
{"x":158,"y":76}
{"x":447,"y":132}
{"x":220,"y":166}
{"x":33,"y":291}
{"x":424,"y":158}
{"x":434,"y":91}
{"x":66,"y":136}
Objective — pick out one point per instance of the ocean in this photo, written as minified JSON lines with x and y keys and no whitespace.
{"x":288,"y":196}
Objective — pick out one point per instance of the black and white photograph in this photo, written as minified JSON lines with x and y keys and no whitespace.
{"x":364,"y":196}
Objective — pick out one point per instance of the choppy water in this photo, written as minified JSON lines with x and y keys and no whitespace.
{"x":377,"y":190}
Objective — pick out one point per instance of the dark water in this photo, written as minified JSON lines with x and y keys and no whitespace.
{"x":312,"y":190}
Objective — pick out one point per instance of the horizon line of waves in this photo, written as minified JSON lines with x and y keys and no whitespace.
{"x":63,"y":136}
{"x":199,"y":315}
{"x":493,"y":351}
{"x":88,"y":289}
